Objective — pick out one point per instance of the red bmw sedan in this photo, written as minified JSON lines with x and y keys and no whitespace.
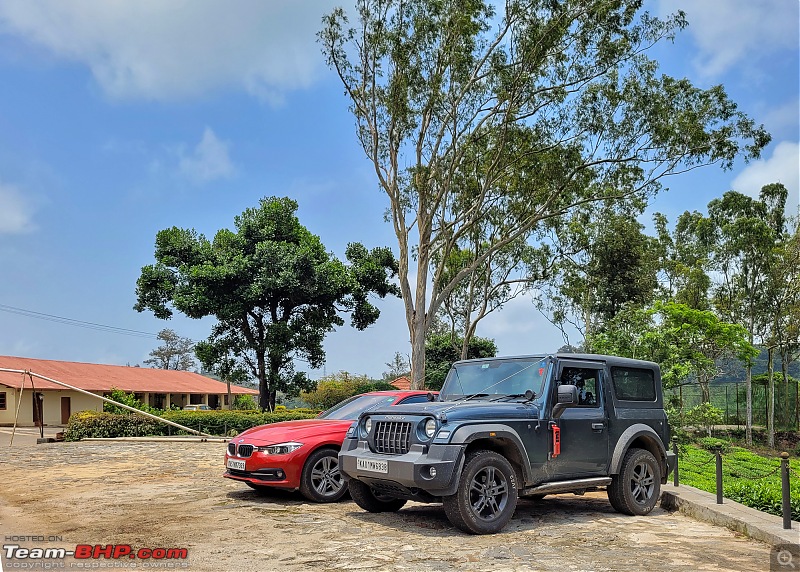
{"x":303,"y":454}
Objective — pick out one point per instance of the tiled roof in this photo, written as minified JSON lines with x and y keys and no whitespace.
{"x":99,"y":377}
{"x":400,"y":383}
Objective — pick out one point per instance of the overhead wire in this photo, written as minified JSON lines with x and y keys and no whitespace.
{"x":77,"y":323}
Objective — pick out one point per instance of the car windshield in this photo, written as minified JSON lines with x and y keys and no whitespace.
{"x":353,"y":407}
{"x":491,"y":378}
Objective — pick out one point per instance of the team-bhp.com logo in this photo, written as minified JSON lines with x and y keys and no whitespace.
{"x":14,"y":553}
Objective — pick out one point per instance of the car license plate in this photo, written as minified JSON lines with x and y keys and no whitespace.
{"x":372,"y":465}
{"x":237,"y":465}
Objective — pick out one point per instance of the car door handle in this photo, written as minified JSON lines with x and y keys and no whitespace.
{"x":598,"y":427}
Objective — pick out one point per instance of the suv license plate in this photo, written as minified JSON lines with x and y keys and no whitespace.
{"x":372,"y":465}
{"x":237,"y":465}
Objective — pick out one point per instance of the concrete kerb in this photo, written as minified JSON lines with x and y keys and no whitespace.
{"x":188,"y":438}
{"x":751,"y":522}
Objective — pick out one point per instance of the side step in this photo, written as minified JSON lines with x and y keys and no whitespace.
{"x":567,"y":486}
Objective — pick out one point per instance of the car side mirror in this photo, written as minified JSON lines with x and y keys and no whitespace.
{"x":567,"y":397}
{"x":431,"y":396}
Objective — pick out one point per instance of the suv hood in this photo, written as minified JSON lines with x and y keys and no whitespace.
{"x":473,"y":409}
{"x":297,"y":430}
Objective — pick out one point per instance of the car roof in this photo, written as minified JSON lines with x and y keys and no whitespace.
{"x":402,"y":392}
{"x":609,"y":359}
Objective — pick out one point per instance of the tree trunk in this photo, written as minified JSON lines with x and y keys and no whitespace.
{"x":771,"y":399}
{"x":228,"y":383}
{"x":705,"y":392}
{"x":748,"y":426}
{"x":786,"y":402}
{"x":417,"y":328}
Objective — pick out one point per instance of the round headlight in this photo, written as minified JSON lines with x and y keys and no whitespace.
{"x":430,"y":428}
{"x":368,"y":425}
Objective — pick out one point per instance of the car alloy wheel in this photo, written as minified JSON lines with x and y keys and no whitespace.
{"x":325,"y":476}
{"x":488,"y":493}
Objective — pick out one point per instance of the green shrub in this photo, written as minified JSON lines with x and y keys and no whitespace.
{"x":126,"y":399}
{"x":339,"y":386}
{"x":244,"y":401}
{"x":712,"y":444}
{"x":86,"y":424}
{"x":704,"y":416}
{"x":747,"y":478}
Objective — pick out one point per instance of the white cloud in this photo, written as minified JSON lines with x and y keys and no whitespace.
{"x":782,"y":167}
{"x":167,"y":50}
{"x":15,"y":211}
{"x":208,"y":161}
{"x":728,"y":33}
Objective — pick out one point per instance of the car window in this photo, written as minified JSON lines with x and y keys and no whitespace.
{"x":587,"y":380}
{"x":353,"y":407}
{"x":634,"y":384}
{"x":414,"y":399}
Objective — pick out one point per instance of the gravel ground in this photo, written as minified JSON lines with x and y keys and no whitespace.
{"x":172,"y":495}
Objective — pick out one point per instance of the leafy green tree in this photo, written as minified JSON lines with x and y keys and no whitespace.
{"x":128,"y":399}
{"x":175,"y":353}
{"x":605,"y":263}
{"x":244,"y":401}
{"x":442,"y":350}
{"x":337,"y":387}
{"x":398,"y":367}
{"x":685,"y":257}
{"x":525,"y":113}
{"x":273,"y":288}
{"x":747,"y":232}
{"x":687,"y":343}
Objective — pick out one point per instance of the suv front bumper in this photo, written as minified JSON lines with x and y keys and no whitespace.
{"x":407,"y":474}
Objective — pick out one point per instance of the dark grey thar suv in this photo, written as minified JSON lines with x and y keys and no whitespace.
{"x":516,"y":426}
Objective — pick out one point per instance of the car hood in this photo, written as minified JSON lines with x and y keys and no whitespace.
{"x":473,"y":409}
{"x":297,"y":430}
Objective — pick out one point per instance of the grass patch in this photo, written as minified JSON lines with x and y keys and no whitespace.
{"x":747,"y":477}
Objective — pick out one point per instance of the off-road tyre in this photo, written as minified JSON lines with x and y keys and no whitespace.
{"x":635,"y":490}
{"x":321,"y":480}
{"x":367,"y":499}
{"x":487,"y":494}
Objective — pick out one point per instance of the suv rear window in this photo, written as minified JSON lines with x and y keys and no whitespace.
{"x":632,"y":384}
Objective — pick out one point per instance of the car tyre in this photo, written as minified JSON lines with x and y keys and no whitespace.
{"x":635,"y":490}
{"x":487,"y":494}
{"x":366,"y":498}
{"x":321,"y":480}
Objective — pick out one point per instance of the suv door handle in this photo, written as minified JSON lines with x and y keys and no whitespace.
{"x":598,"y":427}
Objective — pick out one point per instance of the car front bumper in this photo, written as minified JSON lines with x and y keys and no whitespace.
{"x":407,"y":474}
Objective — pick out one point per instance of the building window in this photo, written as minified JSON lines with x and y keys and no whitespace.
{"x":3,"y":402}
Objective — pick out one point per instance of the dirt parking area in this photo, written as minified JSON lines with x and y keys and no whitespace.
{"x":172,"y":495}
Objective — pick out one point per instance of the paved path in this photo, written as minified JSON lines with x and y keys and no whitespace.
{"x":172,"y":495}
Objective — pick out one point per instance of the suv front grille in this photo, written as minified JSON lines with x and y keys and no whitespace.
{"x":392,"y":437}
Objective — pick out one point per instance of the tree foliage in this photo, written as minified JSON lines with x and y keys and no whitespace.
{"x":339,"y":386}
{"x":523,"y":114}
{"x":272,"y":287}
{"x":442,"y":350}
{"x":175,"y":353}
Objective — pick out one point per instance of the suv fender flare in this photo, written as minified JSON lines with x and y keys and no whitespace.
{"x":466,"y":434}
{"x":629,"y":436}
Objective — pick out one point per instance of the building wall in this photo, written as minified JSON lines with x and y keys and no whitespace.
{"x":51,"y":405}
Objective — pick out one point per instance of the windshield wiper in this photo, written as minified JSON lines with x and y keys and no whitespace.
{"x":514,"y":396}
{"x":473,"y":396}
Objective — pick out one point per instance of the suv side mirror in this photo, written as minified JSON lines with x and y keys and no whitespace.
{"x":567,"y":397}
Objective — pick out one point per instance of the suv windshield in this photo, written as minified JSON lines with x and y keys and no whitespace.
{"x":495,"y":377}
{"x":351,"y":408}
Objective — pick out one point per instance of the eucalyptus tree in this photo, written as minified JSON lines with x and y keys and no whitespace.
{"x":175,"y":353}
{"x":685,"y":258}
{"x":544,"y":105}
{"x":272,"y":287}
{"x":747,"y":232}
{"x":605,"y":262}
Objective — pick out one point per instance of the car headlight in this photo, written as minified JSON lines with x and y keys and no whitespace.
{"x":430,"y":428}
{"x":368,"y":425}
{"x":280,"y":448}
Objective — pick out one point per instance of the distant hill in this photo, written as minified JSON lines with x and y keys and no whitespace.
{"x":735,"y":371}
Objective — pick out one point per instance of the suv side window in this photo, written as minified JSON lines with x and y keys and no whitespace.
{"x":633,"y":384}
{"x":587,"y":380}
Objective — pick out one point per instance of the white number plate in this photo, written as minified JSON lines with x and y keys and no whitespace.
{"x":372,"y":465}
{"x":234,"y":464}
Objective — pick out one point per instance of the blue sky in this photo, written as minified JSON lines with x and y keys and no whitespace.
{"x":118,"y":119}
